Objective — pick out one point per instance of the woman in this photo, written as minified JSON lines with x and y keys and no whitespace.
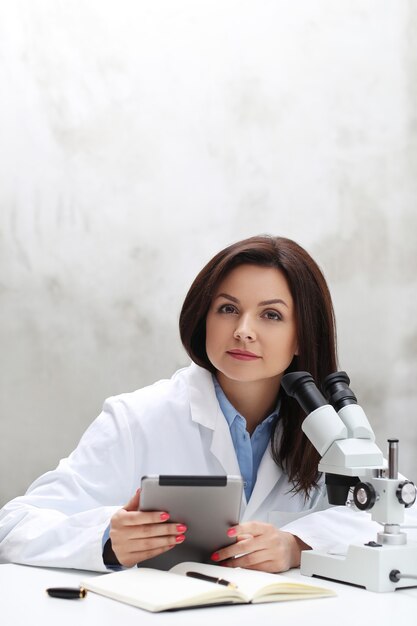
{"x":258,"y":309}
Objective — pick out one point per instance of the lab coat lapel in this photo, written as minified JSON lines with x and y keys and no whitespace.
{"x":205,"y":410}
{"x":268,"y":475}
{"x":222,"y":446}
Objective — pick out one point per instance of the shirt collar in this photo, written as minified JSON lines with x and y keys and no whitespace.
{"x":229,"y":410}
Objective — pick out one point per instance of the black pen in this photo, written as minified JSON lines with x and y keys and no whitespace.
{"x":211,"y":579}
{"x":68,"y":593}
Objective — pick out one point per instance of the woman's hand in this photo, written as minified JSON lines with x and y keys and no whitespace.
{"x":262,"y":547}
{"x":140,"y":535}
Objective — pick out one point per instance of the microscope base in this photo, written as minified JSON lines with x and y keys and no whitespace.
{"x":365,"y":566}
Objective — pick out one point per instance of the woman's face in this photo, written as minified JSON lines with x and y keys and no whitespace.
{"x":251,"y":333}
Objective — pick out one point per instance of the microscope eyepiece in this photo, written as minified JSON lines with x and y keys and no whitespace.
{"x":301,"y":386}
{"x":337,"y":390}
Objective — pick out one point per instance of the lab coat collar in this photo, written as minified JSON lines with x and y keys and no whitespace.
{"x":203,"y":401}
{"x":205,"y":410}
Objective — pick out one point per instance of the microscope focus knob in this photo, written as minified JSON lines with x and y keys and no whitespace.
{"x":364,"y":496}
{"x":406,"y":493}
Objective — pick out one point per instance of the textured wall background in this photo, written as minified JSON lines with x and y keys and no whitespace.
{"x":138,"y":138}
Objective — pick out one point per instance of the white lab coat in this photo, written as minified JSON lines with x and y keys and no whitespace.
{"x":172,"y":427}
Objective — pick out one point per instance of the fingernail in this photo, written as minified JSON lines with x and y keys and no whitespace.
{"x":215,"y":556}
{"x":164,"y":517}
{"x":181,"y":528}
{"x":179,"y":538}
{"x":231,"y":532}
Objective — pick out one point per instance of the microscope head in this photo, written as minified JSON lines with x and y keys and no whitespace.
{"x":344,"y":439}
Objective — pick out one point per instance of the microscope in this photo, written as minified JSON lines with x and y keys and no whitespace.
{"x":355,"y":470}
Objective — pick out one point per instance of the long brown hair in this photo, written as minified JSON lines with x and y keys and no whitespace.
{"x":316,"y":334}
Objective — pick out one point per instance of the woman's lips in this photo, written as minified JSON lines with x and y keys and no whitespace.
{"x":242,"y":355}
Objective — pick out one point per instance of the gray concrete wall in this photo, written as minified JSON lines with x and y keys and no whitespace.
{"x":137,"y":138}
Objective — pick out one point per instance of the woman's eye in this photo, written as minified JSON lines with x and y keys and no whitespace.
{"x":272,"y":315}
{"x":227,"y":308}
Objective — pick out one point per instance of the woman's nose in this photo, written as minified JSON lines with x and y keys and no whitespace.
{"x":244,"y":331}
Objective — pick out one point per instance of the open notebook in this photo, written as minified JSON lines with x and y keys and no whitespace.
{"x":156,"y":590}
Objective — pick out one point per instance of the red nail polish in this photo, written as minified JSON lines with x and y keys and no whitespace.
{"x":164,"y":517}
{"x":181,"y":528}
{"x":179,"y":538}
{"x":231,"y":532}
{"x":215,"y":556}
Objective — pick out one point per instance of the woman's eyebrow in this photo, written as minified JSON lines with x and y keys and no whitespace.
{"x":226,"y":295}
{"x":276,"y":301}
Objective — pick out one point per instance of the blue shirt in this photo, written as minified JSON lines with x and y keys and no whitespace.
{"x":249,"y":449}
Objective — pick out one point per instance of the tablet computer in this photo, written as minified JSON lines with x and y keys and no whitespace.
{"x":208,"y":505}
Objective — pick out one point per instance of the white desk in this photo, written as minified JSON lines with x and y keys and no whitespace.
{"x":23,"y":601}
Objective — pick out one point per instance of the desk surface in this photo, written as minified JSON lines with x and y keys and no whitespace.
{"x":24,"y":601}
